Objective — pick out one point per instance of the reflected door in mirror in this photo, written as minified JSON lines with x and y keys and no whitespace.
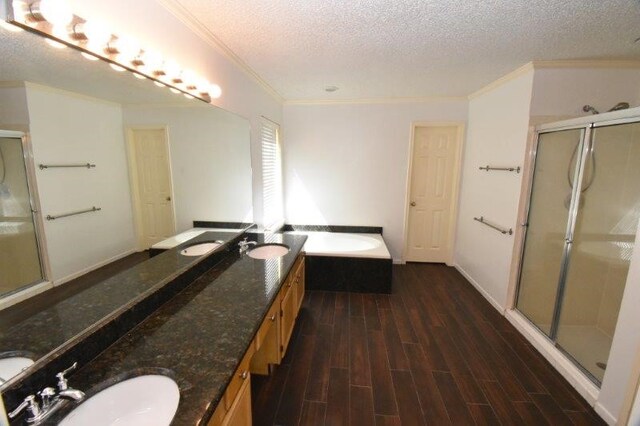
{"x":151,"y":186}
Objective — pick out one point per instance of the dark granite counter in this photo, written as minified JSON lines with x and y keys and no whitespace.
{"x":80,"y":327}
{"x":200,"y":335}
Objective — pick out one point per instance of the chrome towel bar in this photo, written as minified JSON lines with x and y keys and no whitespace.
{"x":491,"y":225}
{"x":506,"y":169}
{"x":92,"y":209}
{"x":57,"y":166}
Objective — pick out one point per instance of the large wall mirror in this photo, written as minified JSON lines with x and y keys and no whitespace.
{"x":161,"y":162}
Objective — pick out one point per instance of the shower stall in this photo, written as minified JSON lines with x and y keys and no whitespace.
{"x":582,"y":219}
{"x":20,"y":262}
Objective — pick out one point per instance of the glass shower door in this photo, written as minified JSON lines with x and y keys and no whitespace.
{"x":603,"y":242}
{"x":555,"y":166}
{"x":19,"y":255}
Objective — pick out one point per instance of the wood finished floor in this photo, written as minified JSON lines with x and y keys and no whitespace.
{"x":434,"y":352}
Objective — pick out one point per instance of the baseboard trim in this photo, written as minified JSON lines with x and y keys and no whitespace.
{"x":93,"y":267}
{"x":605,"y":414}
{"x":481,"y":290}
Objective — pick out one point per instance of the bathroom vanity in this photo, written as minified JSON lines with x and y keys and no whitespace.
{"x":232,"y":321}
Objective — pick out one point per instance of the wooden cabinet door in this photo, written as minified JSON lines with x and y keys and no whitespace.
{"x":240,"y":412}
{"x":299,"y":284}
{"x":288,"y":315}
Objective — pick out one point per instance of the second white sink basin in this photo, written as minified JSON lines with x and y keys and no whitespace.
{"x":200,"y":249}
{"x":12,"y":366}
{"x":268,"y":251}
{"x":150,"y":400}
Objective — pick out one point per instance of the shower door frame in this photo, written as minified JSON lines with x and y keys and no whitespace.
{"x":587,"y":124}
{"x":38,"y":224}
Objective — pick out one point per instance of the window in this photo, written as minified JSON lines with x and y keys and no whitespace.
{"x":273,"y":216}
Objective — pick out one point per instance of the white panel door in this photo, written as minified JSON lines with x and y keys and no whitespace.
{"x":435,"y":156}
{"x":153,"y":184}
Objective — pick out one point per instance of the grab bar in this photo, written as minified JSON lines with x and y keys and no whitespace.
{"x":92,"y":209}
{"x":55,"y":166}
{"x":491,"y":225}
{"x":506,"y":169}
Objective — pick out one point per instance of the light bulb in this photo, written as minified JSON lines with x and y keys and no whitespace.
{"x":128,"y":48}
{"x":153,"y":61}
{"x":215,"y":91}
{"x":57,"y":12}
{"x":20,"y":10}
{"x":97,"y":35}
{"x":172,"y":69}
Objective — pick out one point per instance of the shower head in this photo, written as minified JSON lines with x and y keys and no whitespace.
{"x":589,"y":108}
{"x":619,"y":106}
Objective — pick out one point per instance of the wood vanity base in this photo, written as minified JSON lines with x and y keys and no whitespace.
{"x":268,"y":348}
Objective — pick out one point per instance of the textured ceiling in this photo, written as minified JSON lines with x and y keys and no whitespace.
{"x":411,"y":48}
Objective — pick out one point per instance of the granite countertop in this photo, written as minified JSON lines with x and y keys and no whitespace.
{"x":52,"y":327}
{"x":199,"y":336}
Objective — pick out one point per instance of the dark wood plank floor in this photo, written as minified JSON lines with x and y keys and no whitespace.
{"x":434,"y":352}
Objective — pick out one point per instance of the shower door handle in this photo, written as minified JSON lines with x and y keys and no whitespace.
{"x":568,"y":240}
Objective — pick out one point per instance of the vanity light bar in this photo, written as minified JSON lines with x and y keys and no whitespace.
{"x":54,"y":20}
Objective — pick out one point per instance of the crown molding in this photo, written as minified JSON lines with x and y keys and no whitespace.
{"x":587,"y":64}
{"x":524,"y":69}
{"x":187,"y":18}
{"x":370,"y":101}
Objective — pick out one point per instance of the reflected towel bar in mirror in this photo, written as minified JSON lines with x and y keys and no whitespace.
{"x":506,"y":169}
{"x":92,"y":209}
{"x":490,"y":225}
{"x":57,"y":166}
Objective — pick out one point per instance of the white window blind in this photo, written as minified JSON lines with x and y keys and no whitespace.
{"x":273,"y":216}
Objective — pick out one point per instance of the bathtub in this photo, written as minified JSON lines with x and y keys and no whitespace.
{"x":338,"y":261}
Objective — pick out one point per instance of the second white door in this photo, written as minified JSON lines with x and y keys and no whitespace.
{"x":432,"y":193}
{"x":151,"y":185}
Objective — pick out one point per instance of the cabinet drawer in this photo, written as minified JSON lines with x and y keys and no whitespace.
{"x":269,"y":321}
{"x":241,"y":374}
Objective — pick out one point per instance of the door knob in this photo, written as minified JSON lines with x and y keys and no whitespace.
{"x":413,"y":204}
{"x":168,"y":198}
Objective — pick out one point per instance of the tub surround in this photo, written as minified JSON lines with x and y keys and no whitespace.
{"x":358,"y":261}
{"x":82,"y":326}
{"x":201,"y":334}
{"x":199,"y":227}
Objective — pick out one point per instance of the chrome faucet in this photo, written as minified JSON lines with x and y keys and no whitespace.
{"x":50,"y":400}
{"x":244,"y":245}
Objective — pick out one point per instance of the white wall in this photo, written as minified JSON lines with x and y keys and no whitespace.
{"x":496,"y":135}
{"x":14,"y":114}
{"x":626,"y":344}
{"x":68,"y":128}
{"x":346,"y":164}
{"x":210,"y":161}
{"x":564,"y":91}
{"x":165,"y":32}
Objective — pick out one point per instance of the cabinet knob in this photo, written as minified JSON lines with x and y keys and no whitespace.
{"x":273,"y":317}
{"x":244,"y":375}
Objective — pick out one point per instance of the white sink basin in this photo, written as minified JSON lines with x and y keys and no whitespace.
{"x":200,"y":249}
{"x":268,"y":251}
{"x":12,"y":366}
{"x":150,"y":400}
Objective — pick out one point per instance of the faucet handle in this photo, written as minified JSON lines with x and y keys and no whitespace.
{"x":62,"y":380}
{"x":30,"y":404}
